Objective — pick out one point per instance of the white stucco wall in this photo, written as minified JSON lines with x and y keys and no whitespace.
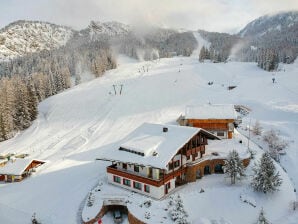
{"x":155,"y":192}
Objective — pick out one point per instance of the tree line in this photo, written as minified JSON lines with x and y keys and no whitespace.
{"x":28,"y":80}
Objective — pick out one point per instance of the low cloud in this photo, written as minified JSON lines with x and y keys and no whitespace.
{"x":211,"y":15}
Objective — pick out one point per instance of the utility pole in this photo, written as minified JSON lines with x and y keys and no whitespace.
{"x":115,"y":89}
{"x":249,"y":133}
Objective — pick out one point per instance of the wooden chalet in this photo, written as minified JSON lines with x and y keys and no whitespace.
{"x":218,"y":119}
{"x":154,"y":158}
{"x":17,"y":169}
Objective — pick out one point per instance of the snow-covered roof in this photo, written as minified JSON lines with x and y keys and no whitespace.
{"x":211,"y":111}
{"x":150,"y":145}
{"x":15,"y":167}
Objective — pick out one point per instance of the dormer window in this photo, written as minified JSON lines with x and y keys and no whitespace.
{"x":124,"y":166}
{"x":136,"y":169}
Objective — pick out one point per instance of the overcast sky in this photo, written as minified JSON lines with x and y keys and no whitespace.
{"x":212,"y":15}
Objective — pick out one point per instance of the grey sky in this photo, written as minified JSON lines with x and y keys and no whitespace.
{"x":211,"y":15}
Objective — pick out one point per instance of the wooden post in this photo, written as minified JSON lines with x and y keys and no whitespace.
{"x":115,"y":89}
{"x":121,"y":88}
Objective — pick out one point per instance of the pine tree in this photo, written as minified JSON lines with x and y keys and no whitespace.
{"x":262,"y":219}
{"x":202,"y":54}
{"x":22,"y":117}
{"x":32,"y":102}
{"x":265,"y":178}
{"x":233,"y":167}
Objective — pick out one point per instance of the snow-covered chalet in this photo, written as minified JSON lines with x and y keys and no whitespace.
{"x":218,"y":119}
{"x":155,"y":158}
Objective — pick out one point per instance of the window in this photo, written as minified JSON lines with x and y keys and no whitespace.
{"x":220,"y":133}
{"x":147,"y":188}
{"x":117,"y":179}
{"x":126,"y":182}
{"x":136,"y":169}
{"x":137,"y":185}
{"x":177,"y":163}
{"x":124,"y":165}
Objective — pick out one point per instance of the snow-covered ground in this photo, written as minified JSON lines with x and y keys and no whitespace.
{"x":74,"y":127}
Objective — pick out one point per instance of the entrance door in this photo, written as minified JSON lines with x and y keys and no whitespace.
{"x":218,"y":168}
{"x":207,"y":170}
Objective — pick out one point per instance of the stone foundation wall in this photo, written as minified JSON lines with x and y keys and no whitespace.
{"x":133,"y":220}
{"x":192,"y":170}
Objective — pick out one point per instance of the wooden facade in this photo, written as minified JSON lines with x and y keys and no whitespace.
{"x":205,"y":167}
{"x":212,"y":125}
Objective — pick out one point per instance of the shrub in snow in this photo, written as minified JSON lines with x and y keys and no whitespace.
{"x":252,"y":153}
{"x":257,"y":129}
{"x":34,"y":220}
{"x":147,"y":215}
{"x":246,"y":199}
{"x":262,"y":219}
{"x":265,"y":178}
{"x":233,"y":167}
{"x":91,"y":199}
{"x":147,"y":204}
{"x":275,"y":143}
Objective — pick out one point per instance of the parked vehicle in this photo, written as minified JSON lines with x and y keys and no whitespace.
{"x":117,"y":216}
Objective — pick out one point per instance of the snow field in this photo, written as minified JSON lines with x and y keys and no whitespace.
{"x":74,"y":127}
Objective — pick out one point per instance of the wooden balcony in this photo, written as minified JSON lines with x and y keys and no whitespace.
{"x":146,"y":180}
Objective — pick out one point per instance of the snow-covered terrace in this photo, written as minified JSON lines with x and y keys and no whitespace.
{"x":221,"y":148}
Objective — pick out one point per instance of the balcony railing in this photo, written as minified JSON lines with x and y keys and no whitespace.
{"x":139,"y":178}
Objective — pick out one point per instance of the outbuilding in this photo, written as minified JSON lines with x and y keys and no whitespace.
{"x":17,"y":169}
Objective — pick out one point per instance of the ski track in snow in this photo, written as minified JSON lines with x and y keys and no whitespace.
{"x":73,"y":127}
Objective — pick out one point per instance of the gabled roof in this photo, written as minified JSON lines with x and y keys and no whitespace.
{"x":16,"y":167}
{"x":211,"y":111}
{"x":148,"y":145}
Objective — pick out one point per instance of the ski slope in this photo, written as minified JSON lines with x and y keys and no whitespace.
{"x":75,"y":126}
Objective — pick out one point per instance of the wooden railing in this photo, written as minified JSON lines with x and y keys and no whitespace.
{"x":157,"y":183}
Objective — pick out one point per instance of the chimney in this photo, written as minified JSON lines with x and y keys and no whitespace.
{"x":165,"y":129}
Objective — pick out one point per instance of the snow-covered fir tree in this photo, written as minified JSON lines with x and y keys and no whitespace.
{"x":233,"y":167}
{"x":265,"y":178}
{"x":178,"y":213}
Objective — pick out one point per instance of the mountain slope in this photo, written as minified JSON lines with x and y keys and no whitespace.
{"x":23,"y":37}
{"x":270,"y":24}
{"x":74,"y":127}
{"x":110,"y":29}
{"x":275,"y":34}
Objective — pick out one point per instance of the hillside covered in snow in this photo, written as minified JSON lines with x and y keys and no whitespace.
{"x":24,"y":37}
{"x":74,"y":127}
